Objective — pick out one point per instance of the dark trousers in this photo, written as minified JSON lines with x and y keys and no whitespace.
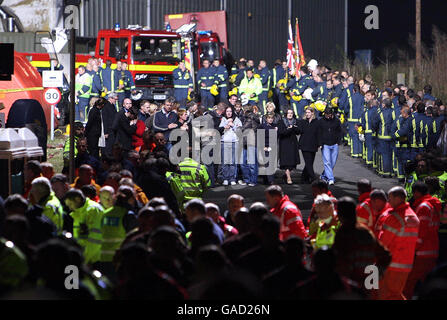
{"x":385,"y":150}
{"x":308,"y":174}
{"x":92,"y":146}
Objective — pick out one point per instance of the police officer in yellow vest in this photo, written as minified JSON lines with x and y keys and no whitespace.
{"x":42,"y":194}
{"x":83,"y":87}
{"x":252,"y":87}
{"x":194,"y":179}
{"x":327,"y":222}
{"x":87,"y":218}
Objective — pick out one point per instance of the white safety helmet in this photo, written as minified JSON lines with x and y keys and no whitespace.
{"x":244,"y":99}
{"x":307,"y":94}
{"x":312,"y":65}
{"x":137,"y":96}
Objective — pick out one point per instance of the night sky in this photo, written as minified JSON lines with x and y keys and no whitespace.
{"x":396,"y":22}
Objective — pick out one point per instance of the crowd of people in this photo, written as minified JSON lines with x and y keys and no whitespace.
{"x":135,"y":225}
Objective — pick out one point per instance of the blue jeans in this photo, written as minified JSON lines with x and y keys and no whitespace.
{"x":249,"y":165}
{"x":330,"y":156}
{"x":229,"y":167}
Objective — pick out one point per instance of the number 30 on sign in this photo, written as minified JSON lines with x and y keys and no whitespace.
{"x":52,"y":96}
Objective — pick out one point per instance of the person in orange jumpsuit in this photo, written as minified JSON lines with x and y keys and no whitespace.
{"x":398,"y":233}
{"x":428,"y":209}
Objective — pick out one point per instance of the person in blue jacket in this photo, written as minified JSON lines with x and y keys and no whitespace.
{"x":182,"y":84}
{"x":221,"y":79}
{"x":353,"y":116}
{"x":205,"y":79}
{"x":264,"y":76}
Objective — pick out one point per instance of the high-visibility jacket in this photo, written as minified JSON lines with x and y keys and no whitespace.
{"x":291,"y":220}
{"x":52,"y":208}
{"x":175,"y":182}
{"x":251,"y":86}
{"x":399,"y":234}
{"x":13,"y":264}
{"x":365,"y":213}
{"x":441,"y":193}
{"x":326,"y":232}
{"x":312,"y":220}
{"x":194,"y":179}
{"x":428,"y":209}
{"x":66,"y":153}
{"x":83,"y":85}
{"x":113,"y":232}
{"x":87,"y":229}
{"x":182,"y":79}
{"x":410,"y":180}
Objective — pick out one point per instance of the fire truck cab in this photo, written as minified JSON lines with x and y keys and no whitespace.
{"x":151,"y":56}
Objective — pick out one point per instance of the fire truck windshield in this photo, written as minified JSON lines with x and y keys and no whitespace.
{"x":210,"y":50}
{"x":156,"y":49}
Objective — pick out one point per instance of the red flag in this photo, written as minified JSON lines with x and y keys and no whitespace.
{"x":290,"y":50}
{"x":301,"y":61}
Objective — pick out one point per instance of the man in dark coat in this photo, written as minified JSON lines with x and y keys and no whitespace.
{"x":108,"y":116}
{"x":308,"y":144}
{"x":93,"y":127}
{"x":124,"y":126}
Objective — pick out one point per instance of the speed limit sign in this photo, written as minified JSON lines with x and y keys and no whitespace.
{"x":52,"y":95}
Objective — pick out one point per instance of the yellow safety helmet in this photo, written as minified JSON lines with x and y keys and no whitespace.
{"x":334,"y":102}
{"x":233,"y":78}
{"x":214,"y":90}
{"x":282,"y":84}
{"x":296,"y":96}
{"x":191,"y":95}
{"x":360,"y":129}
{"x":320,"y":106}
{"x":270,"y":94}
{"x":233,"y":92}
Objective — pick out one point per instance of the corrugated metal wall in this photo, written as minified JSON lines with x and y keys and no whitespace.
{"x":103,"y":14}
{"x":262,"y":35}
{"x":322,"y":25}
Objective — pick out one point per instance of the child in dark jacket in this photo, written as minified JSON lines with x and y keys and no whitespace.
{"x":268,"y":126}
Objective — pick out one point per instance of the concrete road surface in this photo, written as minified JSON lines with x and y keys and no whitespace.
{"x":347,"y":172}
